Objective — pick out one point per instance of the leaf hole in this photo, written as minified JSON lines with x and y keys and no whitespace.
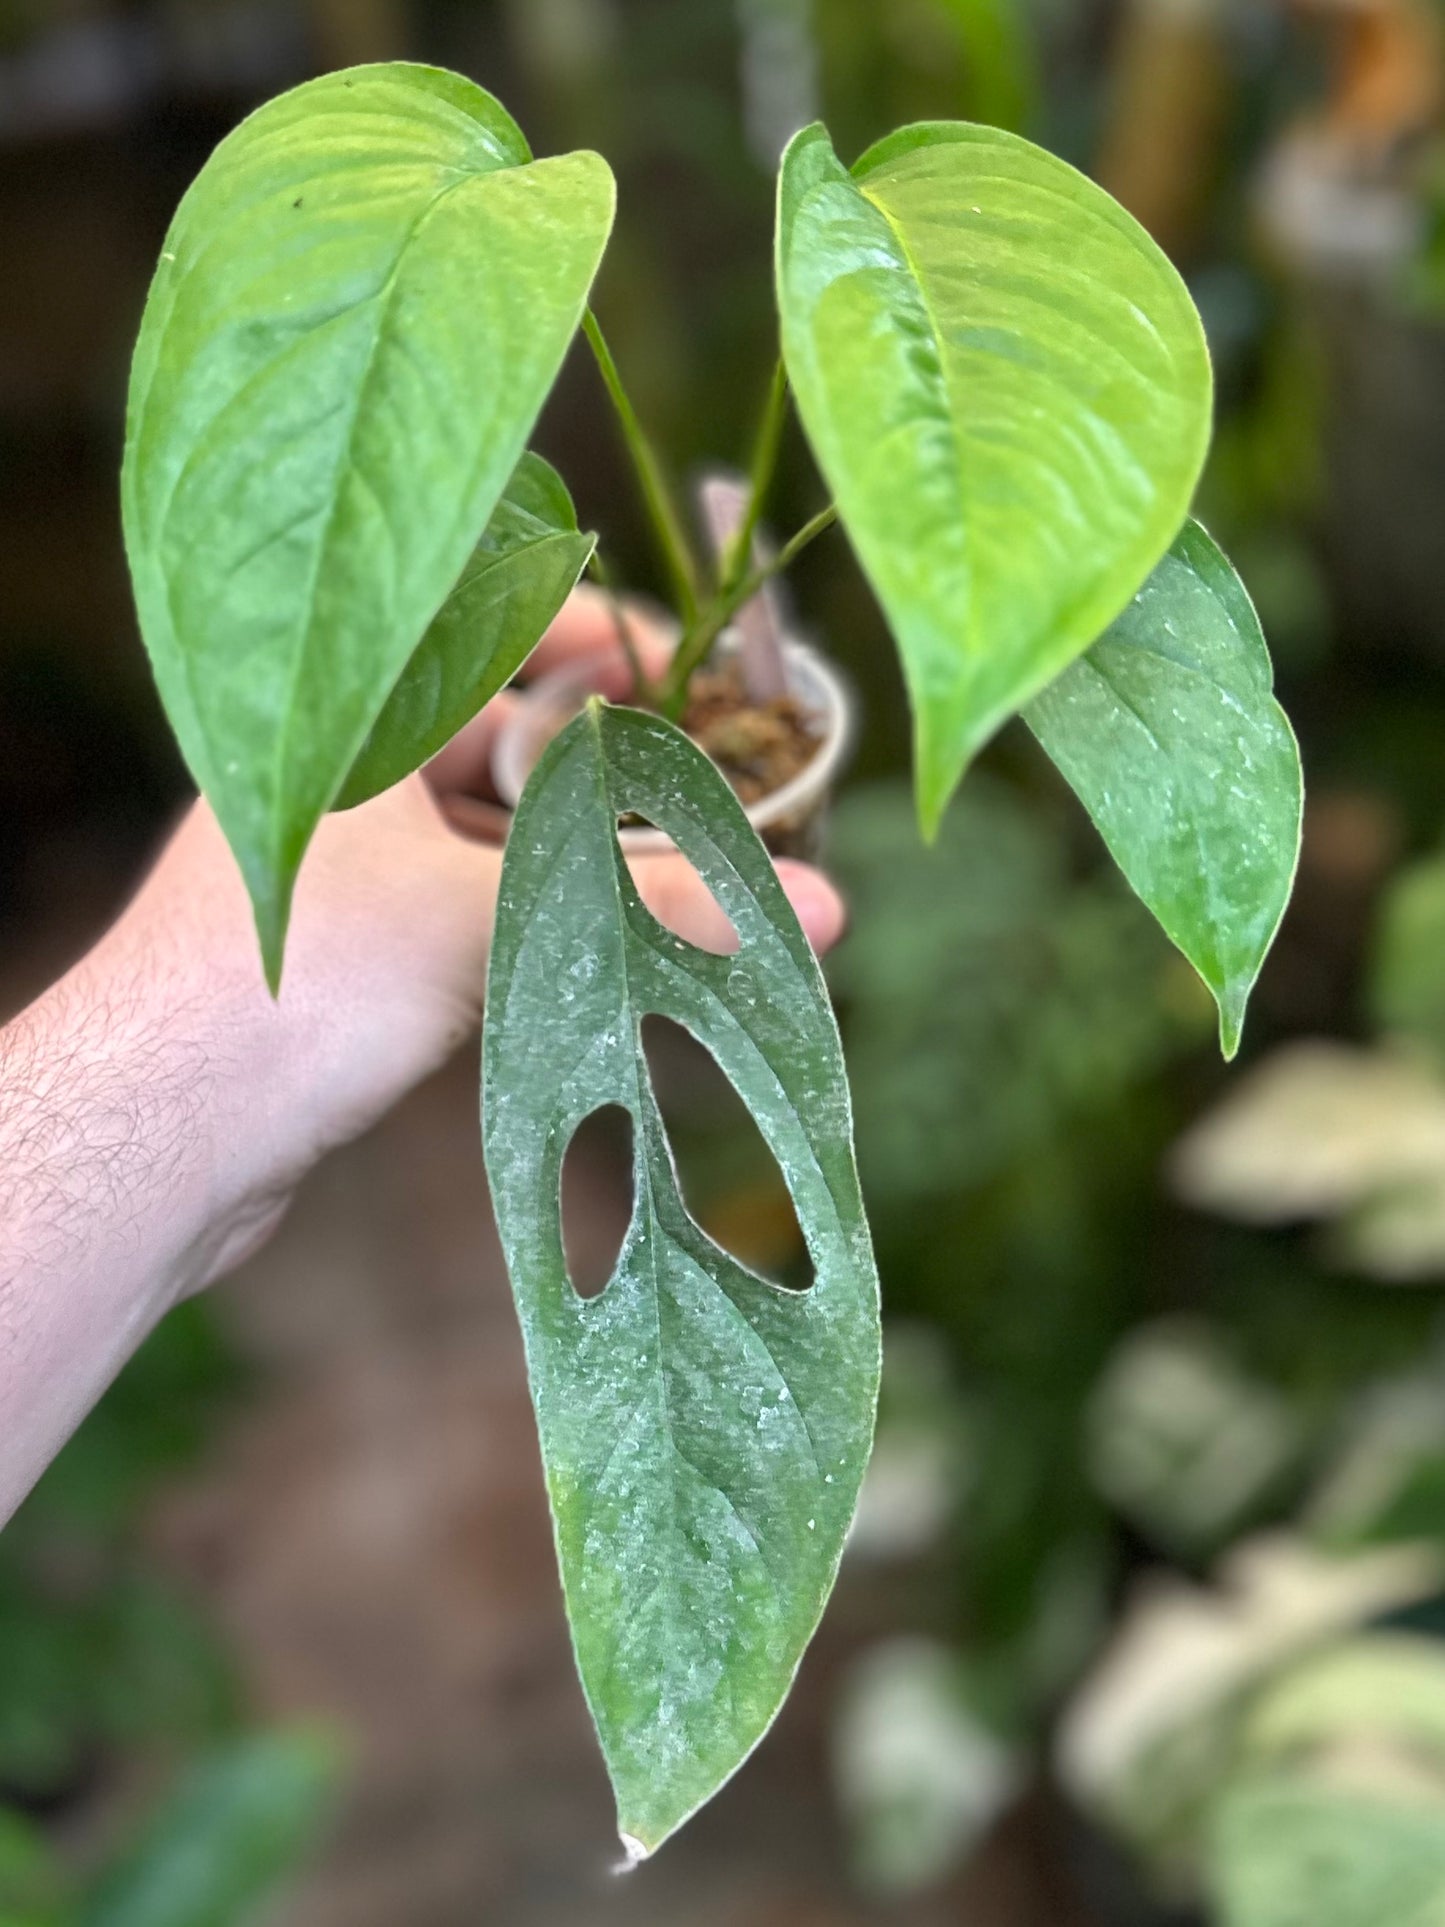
{"x":597,"y":1198}
{"x":732,"y":1184}
{"x":681,"y":898}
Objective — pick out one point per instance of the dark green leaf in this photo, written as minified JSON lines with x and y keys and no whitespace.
{"x":520,"y":574}
{"x":1007,"y":387}
{"x":1169,"y":732}
{"x":704,"y":1432}
{"x":360,"y":308}
{"x":237,"y":1829}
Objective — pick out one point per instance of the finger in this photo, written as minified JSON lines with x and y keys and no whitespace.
{"x":586,"y":631}
{"x":677,"y":896}
{"x":477,"y":821}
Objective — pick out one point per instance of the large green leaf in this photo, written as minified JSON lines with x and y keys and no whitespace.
{"x":704,"y":1432}
{"x":1169,"y":732}
{"x":235,"y":1830}
{"x":360,"y":308}
{"x":519,"y":575}
{"x":1007,"y":387}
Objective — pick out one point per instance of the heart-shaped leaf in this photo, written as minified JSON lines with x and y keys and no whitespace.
{"x":360,"y":308}
{"x":519,"y":575}
{"x":704,"y":1432}
{"x":1006,"y":386}
{"x":1169,"y":733}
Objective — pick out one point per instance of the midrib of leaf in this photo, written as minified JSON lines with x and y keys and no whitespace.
{"x":641,"y":1159}
{"x":383,"y":300}
{"x":952,"y":414}
{"x":1069,"y":614}
{"x":647,"y":1112}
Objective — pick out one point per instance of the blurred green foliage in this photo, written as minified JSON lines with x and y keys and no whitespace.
{"x":96,"y":1650}
{"x":992,"y":998}
{"x":213,"y":1854}
{"x":103,"y":1659}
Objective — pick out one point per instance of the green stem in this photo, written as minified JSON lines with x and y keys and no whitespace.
{"x":666,"y":523}
{"x":700,"y":636}
{"x":765,"y":460}
{"x":644,"y":689}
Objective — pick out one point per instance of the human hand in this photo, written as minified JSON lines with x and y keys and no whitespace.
{"x":158,"y":1107}
{"x":386,"y":960}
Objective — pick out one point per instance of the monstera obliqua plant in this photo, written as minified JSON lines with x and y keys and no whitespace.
{"x":342,"y":547}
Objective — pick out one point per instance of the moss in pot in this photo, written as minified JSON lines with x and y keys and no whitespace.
{"x":342,"y":548}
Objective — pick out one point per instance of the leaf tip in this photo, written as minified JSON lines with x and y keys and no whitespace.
{"x":933,"y":792}
{"x":272,"y":909}
{"x":1231,"y":1030}
{"x":634,"y":1852}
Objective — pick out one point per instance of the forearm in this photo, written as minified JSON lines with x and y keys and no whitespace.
{"x":113,"y":1197}
{"x":157,"y":1107}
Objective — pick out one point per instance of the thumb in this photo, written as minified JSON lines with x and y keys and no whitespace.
{"x":677,"y":896}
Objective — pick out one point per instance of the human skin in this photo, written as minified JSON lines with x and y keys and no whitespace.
{"x":158,"y":1108}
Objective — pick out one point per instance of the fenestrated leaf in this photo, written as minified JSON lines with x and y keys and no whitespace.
{"x":360,"y":308}
{"x":1169,"y":732}
{"x":1007,"y":387}
{"x":519,"y":575}
{"x":704,"y":1432}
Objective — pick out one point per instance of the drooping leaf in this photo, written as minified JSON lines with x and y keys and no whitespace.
{"x":360,"y":308}
{"x":236,"y":1829}
{"x":519,"y":575}
{"x":1169,"y":732}
{"x":704,"y":1432}
{"x":1007,"y":387}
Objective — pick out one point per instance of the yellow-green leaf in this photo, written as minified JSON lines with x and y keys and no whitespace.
{"x":1007,"y":387}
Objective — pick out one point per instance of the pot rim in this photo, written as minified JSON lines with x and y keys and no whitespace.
{"x":813,"y":679}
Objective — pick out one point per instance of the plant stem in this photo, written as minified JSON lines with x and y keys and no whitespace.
{"x":765,"y":460}
{"x":644,"y":689}
{"x":666,"y":523}
{"x":700,"y":636}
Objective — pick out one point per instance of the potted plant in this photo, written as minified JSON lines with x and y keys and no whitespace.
{"x":341,"y":548}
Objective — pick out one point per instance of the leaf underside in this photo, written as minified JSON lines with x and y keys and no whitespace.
{"x":361,"y":305}
{"x":704,"y":1432}
{"x":1007,"y":387}
{"x":1169,"y":733}
{"x":519,"y":575}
